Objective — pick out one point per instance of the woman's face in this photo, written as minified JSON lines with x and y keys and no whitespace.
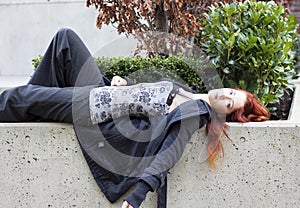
{"x":226,"y":100}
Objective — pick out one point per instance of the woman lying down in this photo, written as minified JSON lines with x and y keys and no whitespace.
{"x":130,"y":135}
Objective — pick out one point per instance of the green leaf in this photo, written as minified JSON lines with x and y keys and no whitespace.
{"x":226,"y":70}
{"x":231,"y":40}
{"x":287,"y":47}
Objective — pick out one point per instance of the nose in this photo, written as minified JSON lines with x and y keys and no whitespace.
{"x":223,"y":97}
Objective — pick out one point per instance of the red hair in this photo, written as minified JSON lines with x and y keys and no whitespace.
{"x":252,"y":111}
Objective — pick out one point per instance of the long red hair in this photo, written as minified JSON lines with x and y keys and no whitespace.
{"x":253,"y":111}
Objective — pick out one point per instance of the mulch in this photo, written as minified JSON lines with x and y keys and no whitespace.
{"x":283,"y":107}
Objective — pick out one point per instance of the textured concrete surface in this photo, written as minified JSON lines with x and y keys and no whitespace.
{"x":261,"y":168}
{"x":42,"y":166}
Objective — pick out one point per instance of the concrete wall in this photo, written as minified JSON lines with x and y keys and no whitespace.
{"x":27,"y":27}
{"x":42,"y":166}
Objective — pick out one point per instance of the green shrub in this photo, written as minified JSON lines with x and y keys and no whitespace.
{"x":36,"y":61}
{"x":152,"y":69}
{"x":141,"y":69}
{"x":250,"y":44}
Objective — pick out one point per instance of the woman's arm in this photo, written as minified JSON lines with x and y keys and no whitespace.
{"x":154,"y":175}
{"x":169,"y":151}
{"x":136,"y":198}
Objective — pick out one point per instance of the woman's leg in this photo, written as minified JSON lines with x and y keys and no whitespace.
{"x":36,"y":103}
{"x":51,"y":93}
{"x":40,"y":103}
{"x":65,"y":60}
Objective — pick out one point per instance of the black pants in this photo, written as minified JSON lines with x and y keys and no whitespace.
{"x":65,"y":75}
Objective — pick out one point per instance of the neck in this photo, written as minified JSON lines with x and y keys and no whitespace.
{"x":194,"y":96}
{"x":184,"y":96}
{"x":202,"y":97}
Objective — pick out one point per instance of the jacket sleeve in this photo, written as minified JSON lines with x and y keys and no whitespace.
{"x":104,"y":82}
{"x":136,"y":198}
{"x":170,"y":151}
{"x":129,"y":81}
{"x":168,"y":154}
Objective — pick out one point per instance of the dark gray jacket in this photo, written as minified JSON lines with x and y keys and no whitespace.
{"x":125,"y":151}
{"x":119,"y":153}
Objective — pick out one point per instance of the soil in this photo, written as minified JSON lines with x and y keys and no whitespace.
{"x":283,"y":107}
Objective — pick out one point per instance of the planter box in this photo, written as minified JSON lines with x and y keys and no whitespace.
{"x":295,"y":108}
{"x":42,"y":166}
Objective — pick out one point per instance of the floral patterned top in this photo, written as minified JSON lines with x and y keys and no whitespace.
{"x":144,"y":99}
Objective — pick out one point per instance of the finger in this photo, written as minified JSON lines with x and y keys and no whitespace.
{"x":114,"y":81}
{"x":125,"y":204}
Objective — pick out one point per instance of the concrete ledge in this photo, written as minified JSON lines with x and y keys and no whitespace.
{"x":42,"y":166}
{"x":261,"y":169}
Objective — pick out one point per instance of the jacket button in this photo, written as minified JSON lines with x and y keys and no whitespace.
{"x":101,"y":144}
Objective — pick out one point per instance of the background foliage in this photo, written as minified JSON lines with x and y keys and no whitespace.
{"x":251,"y":44}
{"x":179,"y":17}
{"x":150,"y":20}
{"x":140,"y":69}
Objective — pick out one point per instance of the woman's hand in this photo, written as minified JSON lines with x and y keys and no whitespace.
{"x":118,"y":81}
{"x":126,"y":205}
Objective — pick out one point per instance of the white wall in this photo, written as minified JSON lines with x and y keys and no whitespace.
{"x":27,"y":27}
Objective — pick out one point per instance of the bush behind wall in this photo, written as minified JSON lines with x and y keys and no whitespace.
{"x":178,"y":68}
{"x":251,"y":45}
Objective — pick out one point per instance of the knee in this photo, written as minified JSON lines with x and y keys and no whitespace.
{"x":63,"y":32}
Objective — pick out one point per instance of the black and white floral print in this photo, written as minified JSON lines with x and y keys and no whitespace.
{"x":144,"y":99}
